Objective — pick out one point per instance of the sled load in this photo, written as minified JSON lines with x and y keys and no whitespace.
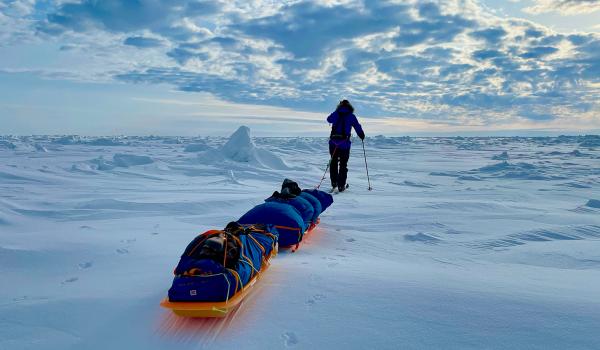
{"x":293,"y":212}
{"x":219,"y":267}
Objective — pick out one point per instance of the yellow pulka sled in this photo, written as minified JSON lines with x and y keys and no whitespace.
{"x":221,"y":309}
{"x":218,"y":308}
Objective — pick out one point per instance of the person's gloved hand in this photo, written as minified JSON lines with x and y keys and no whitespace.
{"x":362,"y":136}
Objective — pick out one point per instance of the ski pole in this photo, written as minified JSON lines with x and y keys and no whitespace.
{"x":366,"y":166}
{"x":327,"y":168}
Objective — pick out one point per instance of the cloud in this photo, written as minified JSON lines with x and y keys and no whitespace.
{"x":539,"y":51}
{"x":307,"y":29}
{"x":435,"y":30}
{"x":537,"y":116}
{"x":182,"y":56}
{"x":142,"y":42}
{"x":17,"y":8}
{"x":565,"y":7}
{"x":123,"y":15}
{"x":435,"y":60}
{"x":491,"y":35}
{"x":15,"y":21}
{"x":486,"y":54}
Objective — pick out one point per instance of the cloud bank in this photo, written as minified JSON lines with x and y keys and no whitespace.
{"x":569,"y":7}
{"x":449,"y":61}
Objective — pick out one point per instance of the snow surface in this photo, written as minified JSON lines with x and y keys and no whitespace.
{"x":455,"y":248}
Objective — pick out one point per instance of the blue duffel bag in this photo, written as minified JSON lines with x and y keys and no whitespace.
{"x":284,"y":217}
{"x":206,"y":273}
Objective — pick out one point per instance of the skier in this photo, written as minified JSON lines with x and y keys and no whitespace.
{"x":342,"y":121}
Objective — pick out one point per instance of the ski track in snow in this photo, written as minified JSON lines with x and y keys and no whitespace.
{"x":464,"y":243}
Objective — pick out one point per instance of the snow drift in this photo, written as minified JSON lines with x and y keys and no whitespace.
{"x":196,"y":147}
{"x":593,"y":203}
{"x":7,"y":145}
{"x":127,"y":160}
{"x":119,"y":160}
{"x":420,"y":262}
{"x":241,"y":149}
{"x":501,"y":156}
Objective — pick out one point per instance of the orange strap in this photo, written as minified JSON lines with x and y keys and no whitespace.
{"x":288,"y":228}
{"x":259,"y":245}
{"x":238,"y":280}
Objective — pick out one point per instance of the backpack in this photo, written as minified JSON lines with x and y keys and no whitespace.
{"x":340,"y":121}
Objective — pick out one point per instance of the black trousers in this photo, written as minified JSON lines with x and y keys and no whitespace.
{"x":338,"y":170}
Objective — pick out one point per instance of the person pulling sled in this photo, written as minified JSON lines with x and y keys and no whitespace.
{"x":342,"y":121}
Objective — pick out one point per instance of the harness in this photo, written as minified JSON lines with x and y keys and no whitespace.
{"x":341,"y":121}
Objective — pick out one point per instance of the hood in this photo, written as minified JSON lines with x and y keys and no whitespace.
{"x":344,"y":110}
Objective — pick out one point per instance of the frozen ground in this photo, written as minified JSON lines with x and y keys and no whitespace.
{"x":465,"y":243}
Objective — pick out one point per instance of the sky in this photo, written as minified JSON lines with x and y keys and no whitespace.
{"x":204,"y":67}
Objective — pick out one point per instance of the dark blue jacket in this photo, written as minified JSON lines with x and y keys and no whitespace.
{"x":343,"y":121}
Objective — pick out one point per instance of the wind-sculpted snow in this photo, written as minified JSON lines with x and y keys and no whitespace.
{"x":464,"y":243}
{"x":414,"y":184}
{"x":381,"y":141}
{"x":91,"y":141}
{"x":506,"y":170}
{"x":240,"y":148}
{"x":100,"y":163}
{"x":39,"y":147}
{"x":196,"y":147}
{"x":67,"y":140}
{"x":590,"y":141}
{"x":127,"y":160}
{"x":172,"y":140}
{"x":574,"y":153}
{"x":519,"y":170}
{"x":301,"y":144}
{"x":104,"y":141}
{"x":502,"y":156}
{"x":593,"y":203}
{"x":421,"y":237}
{"x":6,"y":214}
{"x":7,"y":145}
{"x":118,"y":160}
{"x":470,"y":146}
{"x":544,"y":235}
